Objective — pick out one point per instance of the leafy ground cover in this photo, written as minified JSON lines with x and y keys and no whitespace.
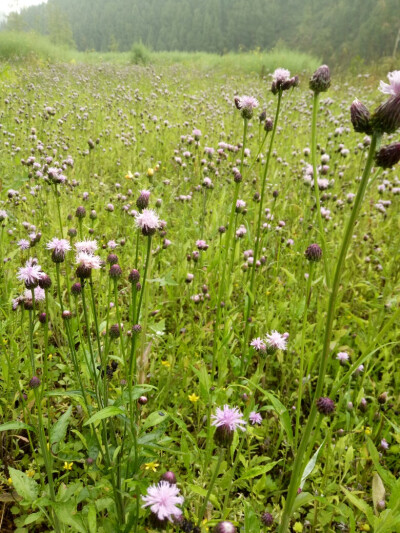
{"x":164,"y":319}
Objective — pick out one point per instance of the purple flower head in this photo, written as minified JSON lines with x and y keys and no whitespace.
{"x":259,"y":344}
{"x":86,"y":246}
{"x":247,"y":104}
{"x":163,"y":500}
{"x":276,"y":341}
{"x":30,"y":274}
{"x":255,"y":418}
{"x":59,"y":247}
{"x":39,"y":294}
{"x":148,"y":221}
{"x":393,"y":87}
{"x":24,"y":244}
{"x":201,"y":245}
{"x":229,"y":417}
{"x":342,"y":357}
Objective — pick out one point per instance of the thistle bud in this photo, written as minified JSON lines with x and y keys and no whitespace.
{"x":360,"y":117}
{"x":313,"y":253}
{"x":386,"y":119}
{"x":325,"y":406}
{"x":169,"y":477}
{"x":267,"y":519}
{"x":115,"y":331}
{"x":115,"y":271}
{"x":45,"y":282}
{"x":268,"y":124}
{"x":224,"y":527}
{"x":143,"y":201}
{"x":80,"y":212}
{"x":321,"y":79}
{"x":388,"y":156}
{"x":76,"y":289}
{"x":34,"y":382}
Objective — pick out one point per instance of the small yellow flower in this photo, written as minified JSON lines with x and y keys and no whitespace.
{"x":150,"y":172}
{"x":151,"y":466}
{"x":129,"y":176}
{"x":365,"y":527}
{"x":30,"y":472}
{"x":50,"y":356}
{"x":5,"y":341}
{"x":68,"y":466}
{"x":193,"y":398}
{"x":368,"y":430}
{"x":298,"y":527}
{"x":9,"y":482}
{"x":166,"y":363}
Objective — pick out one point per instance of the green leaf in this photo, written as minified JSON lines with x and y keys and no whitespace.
{"x":59,"y":430}
{"x":32,"y":518}
{"x":311,"y":465}
{"x":16,"y":426}
{"x":361,"y":505}
{"x":92,"y":521}
{"x":302,"y":499}
{"x":25,"y":486}
{"x":154,"y":419}
{"x":107,"y":412}
{"x":69,"y":517}
{"x":284,"y":417}
{"x":388,"y":478}
{"x":378,"y":491}
{"x":257,"y":471}
{"x":203,"y":492}
{"x":251,"y":521}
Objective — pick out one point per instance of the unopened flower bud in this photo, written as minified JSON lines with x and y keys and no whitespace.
{"x":386,"y":119}
{"x":224,"y":527}
{"x":169,"y":477}
{"x":325,"y":406}
{"x":45,"y":282}
{"x":388,"y":156}
{"x":313,"y":253}
{"x":115,"y":271}
{"x":321,"y":79}
{"x":360,"y":117}
{"x":34,"y":382}
{"x":80,"y":212}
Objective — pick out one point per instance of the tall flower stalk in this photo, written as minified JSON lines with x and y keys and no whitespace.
{"x":324,"y":360}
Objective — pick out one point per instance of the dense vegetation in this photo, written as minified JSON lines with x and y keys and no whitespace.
{"x":337,"y":30}
{"x":114,"y":368}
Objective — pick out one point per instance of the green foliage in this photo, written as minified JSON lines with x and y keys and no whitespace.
{"x":140,"y":54}
{"x":30,"y":46}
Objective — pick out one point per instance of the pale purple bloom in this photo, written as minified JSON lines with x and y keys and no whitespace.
{"x":3,"y":215}
{"x":276,"y":341}
{"x":39,"y":294}
{"x":24,"y":244}
{"x":60,"y":246}
{"x":342,"y":357}
{"x":30,"y":274}
{"x":88,"y":260}
{"x":258,"y":344}
{"x":247,"y":102}
{"x":393,"y":87}
{"x":112,"y":245}
{"x":163,"y":500}
{"x":281,"y":75}
{"x":229,"y":417}
{"x":86,"y":246}
{"x":148,"y":221}
{"x":201,"y":244}
{"x":255,"y":418}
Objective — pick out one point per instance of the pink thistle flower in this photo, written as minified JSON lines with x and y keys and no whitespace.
{"x":39,"y":294}
{"x":281,"y":75}
{"x":148,"y":221}
{"x":201,"y":245}
{"x":86,"y":246}
{"x":59,"y":248}
{"x":246,"y":104}
{"x":342,"y":357}
{"x":24,"y":244}
{"x":30,"y":274}
{"x":163,"y":500}
{"x":89,"y":261}
{"x":229,"y":417}
{"x":255,"y":418}
{"x":276,"y":341}
{"x":258,"y":344}
{"x":393,"y":87}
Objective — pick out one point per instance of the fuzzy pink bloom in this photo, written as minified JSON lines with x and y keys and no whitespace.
{"x":163,"y":500}
{"x":281,"y":75}
{"x":276,"y":340}
{"x":229,"y":417}
{"x":148,"y":221}
{"x":247,"y":102}
{"x":59,"y":245}
{"x":255,"y":418}
{"x":39,"y":294}
{"x":88,"y":260}
{"x":258,"y":344}
{"x":86,"y":246}
{"x":24,"y":244}
{"x":393,"y":87}
{"x":30,"y":274}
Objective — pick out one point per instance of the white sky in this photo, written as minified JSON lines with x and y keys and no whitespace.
{"x":15,"y":5}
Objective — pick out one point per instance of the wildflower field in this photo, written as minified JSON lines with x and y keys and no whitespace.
{"x":199,"y":301}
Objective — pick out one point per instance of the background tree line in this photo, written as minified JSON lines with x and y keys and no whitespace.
{"x":336,"y":30}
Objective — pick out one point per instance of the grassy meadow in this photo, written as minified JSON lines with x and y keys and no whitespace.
{"x":183,"y":282}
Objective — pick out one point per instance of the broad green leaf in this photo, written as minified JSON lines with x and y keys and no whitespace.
{"x":59,"y":430}
{"x":251,"y":520}
{"x":302,"y":499}
{"x":30,"y":519}
{"x":378,"y":491}
{"x":107,"y":412}
{"x":284,"y":417}
{"x":154,"y":419}
{"x":69,"y":518}
{"x":203,"y":492}
{"x":16,"y":426}
{"x":25,"y":486}
{"x":361,"y":505}
{"x":387,"y":477}
{"x":311,"y":465}
{"x":92,"y":521}
{"x":257,"y":471}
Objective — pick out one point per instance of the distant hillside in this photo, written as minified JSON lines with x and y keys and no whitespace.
{"x":337,"y":30}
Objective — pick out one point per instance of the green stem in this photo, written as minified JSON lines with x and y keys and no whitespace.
{"x":316,"y":188}
{"x":302,"y":450}
{"x":212,"y":482}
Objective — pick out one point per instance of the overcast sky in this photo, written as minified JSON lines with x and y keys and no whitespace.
{"x":14,"y":5}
